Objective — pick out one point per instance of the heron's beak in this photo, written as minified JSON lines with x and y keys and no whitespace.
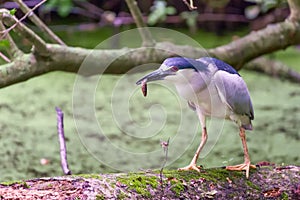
{"x":156,"y":75}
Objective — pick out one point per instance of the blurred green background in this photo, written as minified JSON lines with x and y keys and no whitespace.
{"x":28,"y":119}
{"x":28,"y":136}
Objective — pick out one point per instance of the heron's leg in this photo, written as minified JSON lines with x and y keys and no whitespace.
{"x":193,"y":164}
{"x":246,"y":165}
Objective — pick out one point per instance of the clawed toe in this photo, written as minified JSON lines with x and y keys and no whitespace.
{"x":241,"y":167}
{"x":190,"y":167}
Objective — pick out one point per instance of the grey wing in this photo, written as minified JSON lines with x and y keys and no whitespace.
{"x":234,"y":92}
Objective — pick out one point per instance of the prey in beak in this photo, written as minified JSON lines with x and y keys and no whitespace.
{"x":156,"y":75}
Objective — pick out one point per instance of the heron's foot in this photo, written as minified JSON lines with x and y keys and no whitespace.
{"x":190,"y":167}
{"x":244,"y":166}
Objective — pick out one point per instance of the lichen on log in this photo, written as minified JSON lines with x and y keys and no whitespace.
{"x":267,"y":182}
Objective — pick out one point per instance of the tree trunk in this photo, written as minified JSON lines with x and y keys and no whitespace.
{"x":267,"y":182}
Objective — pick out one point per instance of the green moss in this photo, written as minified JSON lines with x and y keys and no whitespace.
{"x":95,"y":176}
{"x":184,"y":175}
{"x":177,"y":187}
{"x":122,"y":195}
{"x":252,"y":185}
{"x":232,"y":195}
{"x":284,"y":196}
{"x":100,"y":197}
{"x":19,"y":131}
{"x":9,"y":183}
{"x":139,"y":182}
{"x":219,"y":174}
{"x":214,"y":175}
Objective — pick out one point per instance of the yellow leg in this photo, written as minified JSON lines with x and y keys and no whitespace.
{"x":246,"y":165}
{"x":193,"y":164}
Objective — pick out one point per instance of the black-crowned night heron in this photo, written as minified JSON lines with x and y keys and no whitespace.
{"x":213,"y":89}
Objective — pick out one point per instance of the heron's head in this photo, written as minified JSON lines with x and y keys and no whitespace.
{"x":172,"y":69}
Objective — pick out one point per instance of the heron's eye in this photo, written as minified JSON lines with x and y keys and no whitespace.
{"x":174,"y":69}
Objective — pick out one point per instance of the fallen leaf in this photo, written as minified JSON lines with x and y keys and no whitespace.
{"x":275,"y":192}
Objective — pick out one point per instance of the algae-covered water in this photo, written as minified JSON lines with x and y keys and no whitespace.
{"x":124,"y":139}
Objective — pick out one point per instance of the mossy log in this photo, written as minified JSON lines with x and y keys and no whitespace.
{"x":266,"y":182}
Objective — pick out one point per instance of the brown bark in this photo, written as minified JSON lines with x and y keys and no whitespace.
{"x":273,"y":68}
{"x":267,"y":182}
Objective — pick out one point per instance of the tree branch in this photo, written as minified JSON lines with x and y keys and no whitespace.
{"x":36,"y":20}
{"x":267,"y":182}
{"x":295,"y":10}
{"x":138,"y":18}
{"x":21,"y":29}
{"x":24,"y":17}
{"x":69,"y":59}
{"x":4,"y":57}
{"x":13,"y":50}
{"x":190,"y":5}
{"x":62,"y":142}
{"x":272,"y":38}
{"x":237,"y":53}
{"x":273,"y":68}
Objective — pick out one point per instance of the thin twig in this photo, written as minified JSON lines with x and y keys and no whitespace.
{"x":36,"y":20}
{"x":13,"y":49}
{"x":62,"y":143}
{"x":24,"y":17}
{"x":90,"y":7}
{"x":138,"y":18}
{"x":190,"y":5}
{"x":165,"y":146}
{"x":5,"y":58}
{"x":9,"y":20}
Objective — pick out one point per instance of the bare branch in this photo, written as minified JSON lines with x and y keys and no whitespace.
{"x":24,"y":31}
{"x":62,"y":143}
{"x":273,"y":68}
{"x":90,"y":7}
{"x":13,"y":50}
{"x":190,"y":5}
{"x":24,"y":17}
{"x":6,"y":59}
{"x":295,"y":10}
{"x":36,"y":20}
{"x":165,"y":146}
{"x":138,"y":18}
{"x":273,"y":37}
{"x":70,"y":58}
